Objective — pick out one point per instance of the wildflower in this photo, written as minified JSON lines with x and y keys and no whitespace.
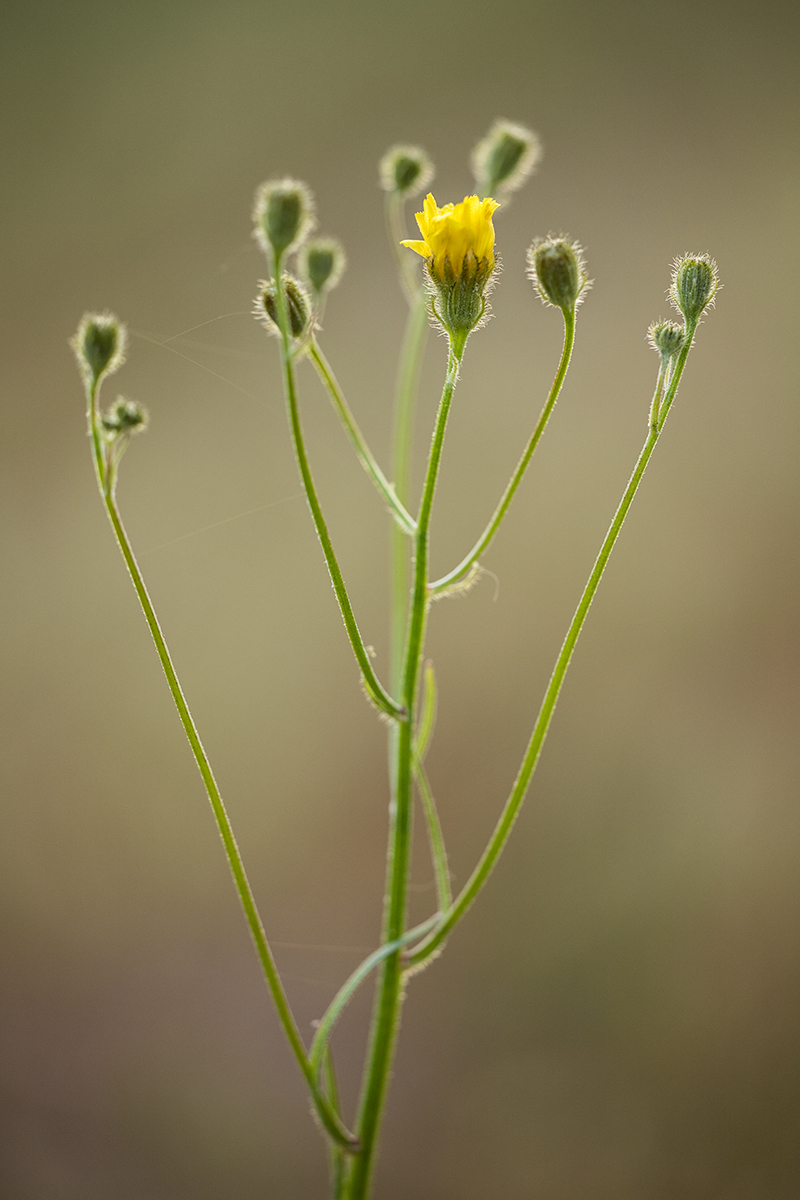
{"x":458,"y":249}
{"x":455,"y":233}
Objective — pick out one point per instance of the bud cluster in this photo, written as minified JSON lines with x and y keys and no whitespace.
{"x":284,"y":217}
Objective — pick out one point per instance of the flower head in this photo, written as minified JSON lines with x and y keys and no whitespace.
{"x":456,"y":232}
{"x":458,"y":249}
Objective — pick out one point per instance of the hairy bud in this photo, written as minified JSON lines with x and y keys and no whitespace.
{"x":284,"y":215}
{"x":503,"y":160}
{"x":322,"y":263}
{"x":694,"y":285}
{"x":99,"y":346}
{"x":124,"y":417}
{"x":297,"y":304}
{"x":667,"y":339}
{"x":557,"y":270}
{"x":405,"y":170}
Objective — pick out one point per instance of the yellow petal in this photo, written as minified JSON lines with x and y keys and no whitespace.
{"x":453,"y":232}
{"x":420,"y":248}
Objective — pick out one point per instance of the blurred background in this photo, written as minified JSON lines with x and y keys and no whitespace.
{"x":618,"y":1018}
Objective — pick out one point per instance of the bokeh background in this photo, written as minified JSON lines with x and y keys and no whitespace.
{"x":618,"y":1018}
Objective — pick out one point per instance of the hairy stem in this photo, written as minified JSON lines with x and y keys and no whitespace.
{"x":374,"y":688}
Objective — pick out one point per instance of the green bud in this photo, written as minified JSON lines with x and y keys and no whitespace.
{"x":297,"y":303}
{"x":557,"y":270}
{"x":284,"y":215}
{"x":667,"y":339}
{"x":503,"y":160}
{"x":694,"y":284}
{"x":126,"y":416}
{"x":99,"y":346}
{"x":322,"y":263}
{"x":405,"y":170}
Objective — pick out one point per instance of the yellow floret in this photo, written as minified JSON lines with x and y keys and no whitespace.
{"x":454,"y":231}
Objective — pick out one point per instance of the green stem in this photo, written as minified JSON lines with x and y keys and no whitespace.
{"x":444,"y":894}
{"x":414,"y":339}
{"x":658,"y":394}
{"x":407,"y":382}
{"x":106,"y":480}
{"x":388,"y":1000}
{"x":336,"y":1152}
{"x":424,"y":733}
{"x":427,"y":716}
{"x":374,"y":688}
{"x":440,"y":586}
{"x":327,"y":1023}
{"x":511,"y":810}
{"x":405,"y":521}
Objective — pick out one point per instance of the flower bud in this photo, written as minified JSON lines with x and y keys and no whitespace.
{"x":297,"y":304}
{"x":126,"y":416}
{"x":405,"y":170}
{"x":322,"y":263}
{"x":694,"y":283}
{"x":284,"y":215}
{"x":667,"y":338}
{"x":503,"y":160}
{"x":557,"y":270}
{"x":99,"y":346}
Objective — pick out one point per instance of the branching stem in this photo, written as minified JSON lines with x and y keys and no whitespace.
{"x":106,"y":477}
{"x":440,"y":586}
{"x":475,"y":883}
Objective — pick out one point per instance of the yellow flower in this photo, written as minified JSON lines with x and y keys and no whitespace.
{"x":454,"y":232}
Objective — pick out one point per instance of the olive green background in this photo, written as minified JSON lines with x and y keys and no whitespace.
{"x":618,"y":1018}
